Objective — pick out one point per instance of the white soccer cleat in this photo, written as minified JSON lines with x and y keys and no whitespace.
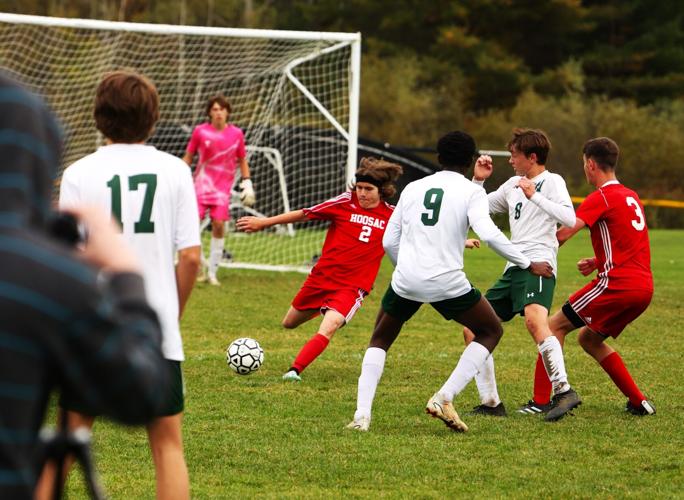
{"x":213,"y":281}
{"x":359,"y":424}
{"x":439,"y":408}
{"x":292,"y":376}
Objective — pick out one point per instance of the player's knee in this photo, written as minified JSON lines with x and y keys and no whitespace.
{"x":288,"y":323}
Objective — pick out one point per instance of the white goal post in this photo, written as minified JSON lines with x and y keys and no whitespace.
{"x":295,"y":94}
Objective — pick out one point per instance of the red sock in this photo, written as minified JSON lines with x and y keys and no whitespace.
{"x":542,"y":384}
{"x":311,"y":350}
{"x":616,"y":369}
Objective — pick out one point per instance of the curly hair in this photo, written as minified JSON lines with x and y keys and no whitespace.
{"x":456,"y":149}
{"x":384,"y":172}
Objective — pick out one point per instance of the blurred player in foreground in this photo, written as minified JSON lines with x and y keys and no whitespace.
{"x":623,"y":288}
{"x":351,"y":256}
{"x":221,"y":147}
{"x":150,"y":194}
{"x":425,"y":238}
{"x":536,"y":201}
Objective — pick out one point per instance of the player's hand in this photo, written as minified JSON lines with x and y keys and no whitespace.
{"x":543,"y":269}
{"x":104,"y":246}
{"x":586,"y":266}
{"x":247,"y":195}
{"x":250,"y":224}
{"x":528,"y":187}
{"x":483,"y":168}
{"x":472,"y":243}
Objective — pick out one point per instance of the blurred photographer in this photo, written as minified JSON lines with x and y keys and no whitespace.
{"x":77,"y":322}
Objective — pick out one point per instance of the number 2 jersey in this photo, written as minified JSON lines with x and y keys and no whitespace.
{"x":619,"y":236}
{"x":152,"y":195}
{"x":353,"y":250}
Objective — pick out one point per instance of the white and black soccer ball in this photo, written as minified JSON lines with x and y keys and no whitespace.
{"x":244,"y":356}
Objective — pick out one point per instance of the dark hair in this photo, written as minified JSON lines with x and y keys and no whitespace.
{"x":219,"y":99}
{"x":603,"y":150}
{"x":384,"y":172}
{"x":126,"y":107}
{"x":530,"y":141}
{"x":456,"y":149}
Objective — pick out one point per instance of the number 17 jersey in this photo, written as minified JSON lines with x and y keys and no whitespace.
{"x":353,"y":250}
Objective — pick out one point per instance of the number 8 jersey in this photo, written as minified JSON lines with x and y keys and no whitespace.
{"x":619,"y":236}
{"x":352,"y":251}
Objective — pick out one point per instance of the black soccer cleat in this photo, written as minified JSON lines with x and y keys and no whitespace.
{"x":561,"y":404}
{"x":645,"y":408}
{"x":533,"y":408}
{"x":491,"y":411}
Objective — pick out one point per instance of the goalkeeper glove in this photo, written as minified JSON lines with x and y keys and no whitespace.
{"x":247,"y":194}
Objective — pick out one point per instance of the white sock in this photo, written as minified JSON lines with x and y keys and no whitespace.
{"x":215,"y":254}
{"x":552,"y":357}
{"x":371,"y":370}
{"x":470,"y":362}
{"x":486,"y":383}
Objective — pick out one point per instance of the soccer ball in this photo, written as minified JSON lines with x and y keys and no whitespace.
{"x":244,"y":356}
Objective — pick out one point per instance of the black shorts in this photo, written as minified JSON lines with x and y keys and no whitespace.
{"x":174,"y":403}
{"x":403,"y":309}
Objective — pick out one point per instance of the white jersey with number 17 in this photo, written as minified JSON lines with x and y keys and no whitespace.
{"x":426,"y":236}
{"x":152,"y":195}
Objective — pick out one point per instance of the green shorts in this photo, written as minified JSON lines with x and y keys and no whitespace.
{"x":517,"y":288}
{"x":403,"y":309}
{"x":173,"y":404}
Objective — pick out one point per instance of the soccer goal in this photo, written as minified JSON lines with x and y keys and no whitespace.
{"x":295,"y":94}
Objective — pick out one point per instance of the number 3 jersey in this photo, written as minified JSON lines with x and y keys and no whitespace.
{"x":152,"y":195}
{"x":619,"y":236}
{"x":353,"y":250}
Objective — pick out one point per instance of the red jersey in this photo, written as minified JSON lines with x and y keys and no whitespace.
{"x":353,"y":250}
{"x":619,"y":236}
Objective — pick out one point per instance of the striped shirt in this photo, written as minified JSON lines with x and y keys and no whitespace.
{"x":64,"y":325}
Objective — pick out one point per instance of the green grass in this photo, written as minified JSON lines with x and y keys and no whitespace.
{"x":249,"y":436}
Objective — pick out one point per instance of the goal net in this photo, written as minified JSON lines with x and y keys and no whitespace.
{"x":294,"y":94}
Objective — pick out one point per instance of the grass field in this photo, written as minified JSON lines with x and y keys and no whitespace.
{"x":255,"y":436}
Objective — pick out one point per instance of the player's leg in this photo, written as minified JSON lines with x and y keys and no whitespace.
{"x":498,"y":297}
{"x":202,"y":273}
{"x":166,"y":443}
{"x":393,"y":313}
{"x":294,"y":317}
{"x":46,"y":483}
{"x":314,"y":347}
{"x":219,"y":215}
{"x":474,"y":312}
{"x":594,"y":344}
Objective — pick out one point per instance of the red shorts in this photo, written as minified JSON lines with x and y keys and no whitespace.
{"x":344,"y":300}
{"x":216,"y":212}
{"x":608,"y":311}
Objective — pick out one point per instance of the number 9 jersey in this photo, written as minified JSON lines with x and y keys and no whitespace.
{"x":619,"y":236}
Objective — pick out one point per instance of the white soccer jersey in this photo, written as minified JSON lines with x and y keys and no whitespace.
{"x":152,"y":195}
{"x":426,"y":236}
{"x":534,"y":222}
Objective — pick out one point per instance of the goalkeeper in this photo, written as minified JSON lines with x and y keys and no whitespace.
{"x":221,"y":146}
{"x":351,"y":256}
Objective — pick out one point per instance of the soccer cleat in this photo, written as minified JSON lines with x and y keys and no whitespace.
{"x":532,"y":408}
{"x":213,"y":281}
{"x":359,"y":424}
{"x":227,"y":256}
{"x":561,"y":404}
{"x":202,"y":275}
{"x":292,"y":376}
{"x":492,"y":411}
{"x":646,"y":408}
{"x":437,"y":407}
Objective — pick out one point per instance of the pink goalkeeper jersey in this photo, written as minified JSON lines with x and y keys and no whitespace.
{"x":219,"y":151}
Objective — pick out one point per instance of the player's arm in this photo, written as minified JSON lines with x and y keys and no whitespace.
{"x":186,"y":272}
{"x":250,"y":224}
{"x":565,"y":233}
{"x":392,"y":236}
{"x":563,"y":212}
{"x":482,"y":171}
{"x":188,"y":157}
